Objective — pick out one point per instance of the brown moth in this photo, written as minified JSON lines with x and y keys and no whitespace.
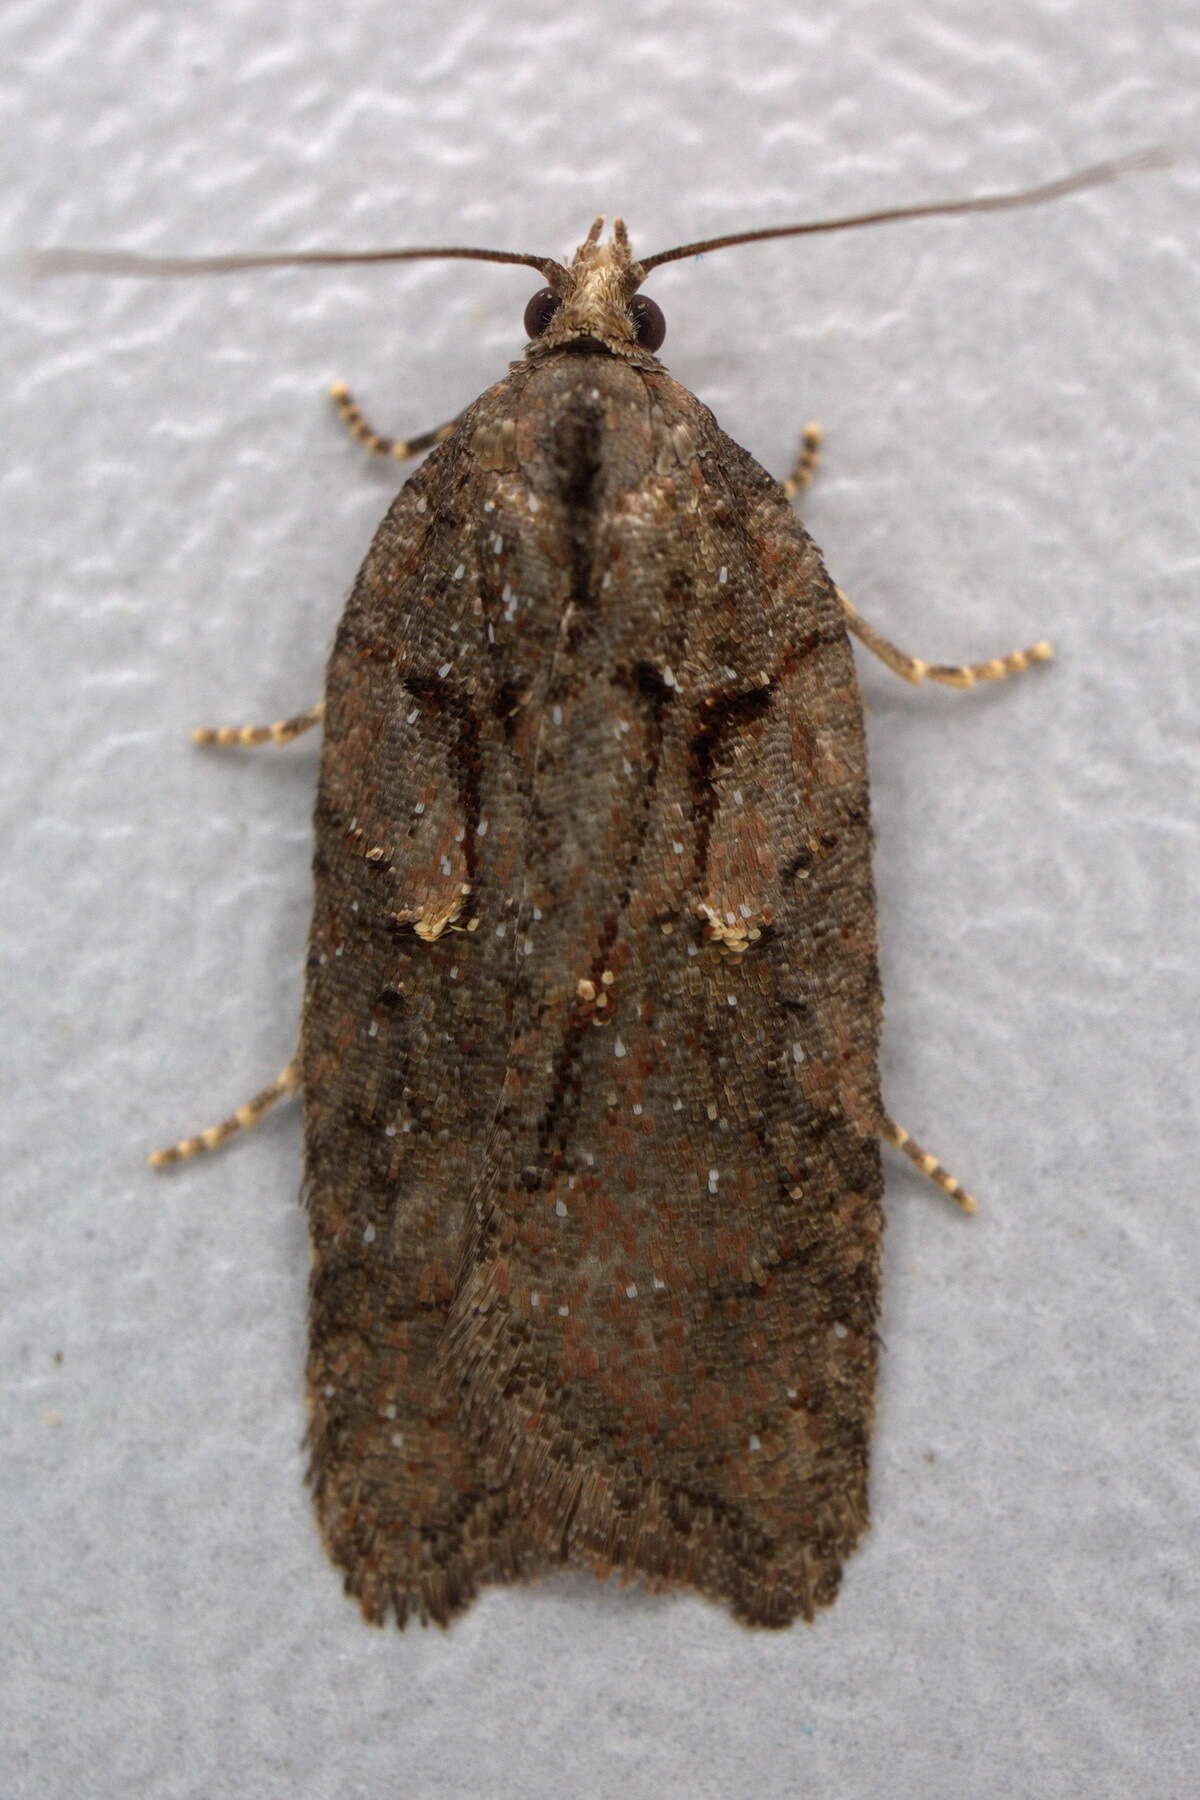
{"x":589,"y":1053}
{"x":590,"y":1030}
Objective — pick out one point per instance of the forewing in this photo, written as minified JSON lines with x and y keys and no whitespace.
{"x":405,"y":1039}
{"x":663,"y":1337}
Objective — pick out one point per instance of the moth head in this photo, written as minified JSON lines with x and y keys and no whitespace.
{"x":596,"y":301}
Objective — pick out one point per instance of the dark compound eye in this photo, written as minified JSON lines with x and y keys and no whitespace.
{"x":540,"y":311}
{"x":648,"y":322}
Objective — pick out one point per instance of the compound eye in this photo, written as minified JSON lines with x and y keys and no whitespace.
{"x":540,"y":311}
{"x":648,"y":322}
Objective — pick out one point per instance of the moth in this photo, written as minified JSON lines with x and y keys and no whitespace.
{"x":589,"y":1049}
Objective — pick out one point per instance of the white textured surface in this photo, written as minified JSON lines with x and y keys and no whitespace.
{"x":1011,"y":408}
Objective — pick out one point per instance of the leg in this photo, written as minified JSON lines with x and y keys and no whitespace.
{"x":246,"y":736}
{"x":962,"y":675}
{"x":928,"y":1165}
{"x":805,"y":465}
{"x":399,"y":448}
{"x":245,"y":1116}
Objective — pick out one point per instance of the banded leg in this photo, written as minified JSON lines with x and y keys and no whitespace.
{"x":928,"y":1165}
{"x":400,"y":449}
{"x":960,"y":675}
{"x":245,"y":737}
{"x":287,"y":1082}
{"x":807,"y":460}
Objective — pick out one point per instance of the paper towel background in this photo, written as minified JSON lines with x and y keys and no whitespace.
{"x":1011,"y":408}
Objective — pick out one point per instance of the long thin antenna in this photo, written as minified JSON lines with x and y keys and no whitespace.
{"x":1096,"y":176}
{"x":123,"y":262}
{"x":127,"y":262}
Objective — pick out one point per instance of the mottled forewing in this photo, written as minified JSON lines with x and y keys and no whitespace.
{"x":663,"y":1337}
{"x":420,"y":834}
